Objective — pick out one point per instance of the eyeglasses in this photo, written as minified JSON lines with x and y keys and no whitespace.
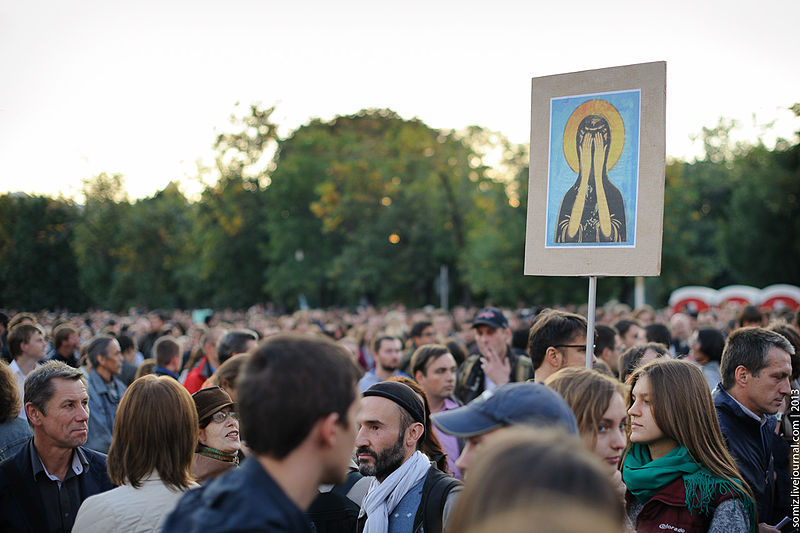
{"x":220,"y":416}
{"x":572,"y":346}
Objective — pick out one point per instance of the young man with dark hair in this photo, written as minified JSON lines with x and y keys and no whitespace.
{"x":127,"y":345}
{"x":42,"y":487}
{"x":27,"y":346}
{"x":297,"y":407}
{"x":658,"y":333}
{"x":434,"y":368}
{"x":630,"y":333}
{"x":65,"y":345}
{"x":206,"y":367}
{"x":235,"y":342}
{"x":157,"y":322}
{"x":605,"y":348}
{"x":557,"y":340}
{"x":756,"y":366}
{"x":496,"y":363}
{"x":421,"y":333}
{"x":388,"y":352}
{"x":167,"y":354}
{"x":406,"y":486}
{"x":750,"y":316}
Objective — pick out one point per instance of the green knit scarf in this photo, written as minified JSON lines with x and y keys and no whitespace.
{"x":645,"y":477}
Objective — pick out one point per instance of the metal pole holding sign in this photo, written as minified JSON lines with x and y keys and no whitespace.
{"x":590,"y":321}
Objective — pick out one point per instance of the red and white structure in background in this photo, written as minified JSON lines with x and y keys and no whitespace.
{"x":700,"y":299}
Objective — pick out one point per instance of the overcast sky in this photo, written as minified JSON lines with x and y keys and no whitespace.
{"x":140,"y":88}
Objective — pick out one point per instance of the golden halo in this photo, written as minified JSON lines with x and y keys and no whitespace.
{"x":607,"y":111}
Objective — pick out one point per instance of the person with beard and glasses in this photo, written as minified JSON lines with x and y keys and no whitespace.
{"x":407,"y":492}
{"x":388,"y":354}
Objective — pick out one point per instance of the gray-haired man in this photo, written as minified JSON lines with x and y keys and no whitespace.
{"x":42,"y":487}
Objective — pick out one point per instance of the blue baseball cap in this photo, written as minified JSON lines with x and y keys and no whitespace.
{"x":509,"y":405}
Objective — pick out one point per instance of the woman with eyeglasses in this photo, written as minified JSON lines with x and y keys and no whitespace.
{"x":218,"y":442}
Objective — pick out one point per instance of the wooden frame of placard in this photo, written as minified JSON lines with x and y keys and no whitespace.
{"x":640,"y":254}
{"x":631,"y":232}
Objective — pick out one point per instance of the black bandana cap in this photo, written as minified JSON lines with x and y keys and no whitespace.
{"x":402,"y":395}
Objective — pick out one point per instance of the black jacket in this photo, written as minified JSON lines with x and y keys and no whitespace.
{"x":244,"y":499}
{"x":752,"y":446}
{"x":21,"y":505}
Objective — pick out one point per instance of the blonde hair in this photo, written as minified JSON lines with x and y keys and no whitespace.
{"x":520,"y":465}
{"x":547,"y":515}
{"x":155,"y":429}
{"x":588,"y":393}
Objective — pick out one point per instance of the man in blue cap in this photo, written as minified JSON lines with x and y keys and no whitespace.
{"x":512,"y":404}
{"x":496,"y":363}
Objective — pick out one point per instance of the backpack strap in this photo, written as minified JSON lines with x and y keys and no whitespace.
{"x":334,"y":511}
{"x":435,"y":489}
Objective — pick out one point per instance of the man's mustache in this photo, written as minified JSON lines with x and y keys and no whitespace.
{"x":363,"y":450}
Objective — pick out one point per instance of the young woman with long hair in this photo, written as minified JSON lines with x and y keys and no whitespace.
{"x":598,"y":402}
{"x":677,"y":468}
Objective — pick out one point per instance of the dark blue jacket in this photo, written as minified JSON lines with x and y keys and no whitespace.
{"x":246,"y":499}
{"x":752,"y":446}
{"x":21,"y":505}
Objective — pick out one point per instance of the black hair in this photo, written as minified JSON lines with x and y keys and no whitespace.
{"x":234,"y":342}
{"x":551,"y":328}
{"x":287,"y":385}
{"x":658,"y":333}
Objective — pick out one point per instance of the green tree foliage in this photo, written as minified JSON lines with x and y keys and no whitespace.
{"x":97,"y":236}
{"x":733,"y":216}
{"x":150,"y":255}
{"x":132,"y":254}
{"x":759,"y":243}
{"x":369,"y":206}
{"x":37,"y":267}
{"x":228,"y":242}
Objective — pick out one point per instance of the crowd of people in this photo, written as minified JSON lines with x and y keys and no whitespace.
{"x":395,"y":420}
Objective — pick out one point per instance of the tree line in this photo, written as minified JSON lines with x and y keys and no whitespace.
{"x":367,"y":208}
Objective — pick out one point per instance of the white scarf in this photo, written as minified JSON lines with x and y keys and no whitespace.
{"x":383,"y":497}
